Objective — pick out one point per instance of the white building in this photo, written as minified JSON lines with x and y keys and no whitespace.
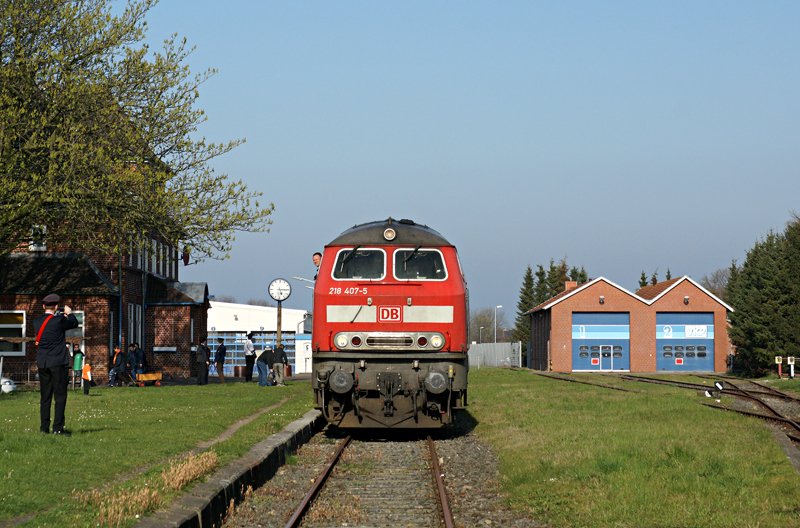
{"x":232,"y":322}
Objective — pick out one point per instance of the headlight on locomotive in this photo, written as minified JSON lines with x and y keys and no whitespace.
{"x":435,"y":382}
{"x":341,"y":341}
{"x":340,"y":382}
{"x":437,"y":341}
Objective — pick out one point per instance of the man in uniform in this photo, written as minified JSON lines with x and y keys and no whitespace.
{"x":203,"y":361}
{"x":52,"y":359}
{"x":219,"y":359}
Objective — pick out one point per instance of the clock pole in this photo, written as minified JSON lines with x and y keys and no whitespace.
{"x":280,"y":314}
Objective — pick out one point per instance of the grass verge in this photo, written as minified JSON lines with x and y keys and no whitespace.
{"x":129,"y":446}
{"x":575,"y":455}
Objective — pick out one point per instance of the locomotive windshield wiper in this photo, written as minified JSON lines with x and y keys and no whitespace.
{"x":411,"y":255}
{"x":350,"y":255}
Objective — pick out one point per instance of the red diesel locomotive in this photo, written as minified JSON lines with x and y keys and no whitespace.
{"x":389,"y":343}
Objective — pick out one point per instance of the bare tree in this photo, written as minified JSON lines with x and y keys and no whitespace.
{"x":717,"y":282}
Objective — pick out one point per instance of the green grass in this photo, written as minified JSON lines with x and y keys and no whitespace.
{"x":117,"y":432}
{"x":573,"y":455}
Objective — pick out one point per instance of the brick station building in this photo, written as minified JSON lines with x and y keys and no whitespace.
{"x":675,"y":325}
{"x":135,"y":297}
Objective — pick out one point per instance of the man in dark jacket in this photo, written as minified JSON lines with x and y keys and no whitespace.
{"x":52,"y":360}
{"x":203,"y":362}
{"x":279,"y":366}
{"x":219,"y":359}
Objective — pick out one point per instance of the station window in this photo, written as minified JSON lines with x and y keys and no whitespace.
{"x":689,"y":354}
{"x":12,"y":324}
{"x":606,"y":354}
{"x":679,"y":348}
{"x":584,"y":354}
{"x":690,"y":347}
{"x":667,"y":354}
{"x":595,"y":354}
{"x":595,"y":347}
{"x":678,"y":354}
{"x":583,"y":347}
{"x":701,"y":348}
{"x":419,"y":264}
{"x":701,"y":354}
{"x":617,"y":354}
{"x":617,"y":348}
{"x":358,"y":264}
{"x":667,"y":348}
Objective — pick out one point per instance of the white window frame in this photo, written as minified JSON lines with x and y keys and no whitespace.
{"x":336,"y":259}
{"x":81,"y":326}
{"x":134,"y":323}
{"x":21,"y":328}
{"x":421,"y":250}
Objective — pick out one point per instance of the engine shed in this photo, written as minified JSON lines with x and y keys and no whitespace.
{"x":675,"y":325}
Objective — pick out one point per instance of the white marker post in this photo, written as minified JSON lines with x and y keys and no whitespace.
{"x":790,"y":362}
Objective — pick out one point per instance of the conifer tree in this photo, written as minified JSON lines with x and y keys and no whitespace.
{"x":757,"y":293}
{"x":540,"y":290}
{"x":643,"y":280}
{"x":522,"y":328}
{"x":668,"y":276}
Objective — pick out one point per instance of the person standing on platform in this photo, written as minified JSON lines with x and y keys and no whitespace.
{"x":219,"y":359}
{"x":52,"y":359}
{"x":279,"y":366}
{"x":203,"y":361}
{"x":249,"y":357}
{"x":262,"y":364}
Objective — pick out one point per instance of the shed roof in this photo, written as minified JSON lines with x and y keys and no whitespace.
{"x":39,"y":273}
{"x":648,"y":294}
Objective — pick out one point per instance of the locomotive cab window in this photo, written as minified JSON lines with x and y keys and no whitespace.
{"x":360,"y":264}
{"x":419,"y":264}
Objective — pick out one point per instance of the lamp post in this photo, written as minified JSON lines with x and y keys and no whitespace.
{"x":480,"y":335}
{"x":495,"y":321}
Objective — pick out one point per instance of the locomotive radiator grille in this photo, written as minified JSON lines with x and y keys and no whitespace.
{"x":390,"y":341}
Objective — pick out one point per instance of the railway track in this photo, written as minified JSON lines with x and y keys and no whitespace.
{"x":369,"y":483}
{"x":747,"y":397}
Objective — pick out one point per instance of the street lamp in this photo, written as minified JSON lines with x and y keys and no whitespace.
{"x":480,"y":335}
{"x":495,"y":321}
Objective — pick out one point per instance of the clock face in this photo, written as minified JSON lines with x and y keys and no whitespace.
{"x":279,"y":289}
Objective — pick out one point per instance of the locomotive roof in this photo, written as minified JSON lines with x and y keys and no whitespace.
{"x":408,"y":232}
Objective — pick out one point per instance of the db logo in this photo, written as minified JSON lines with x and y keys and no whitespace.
{"x":389,"y":314}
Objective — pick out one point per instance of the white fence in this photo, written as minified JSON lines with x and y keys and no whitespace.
{"x":495,"y":355}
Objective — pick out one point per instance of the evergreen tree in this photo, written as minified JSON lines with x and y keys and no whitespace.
{"x":654,"y":278}
{"x":522,"y":328}
{"x":791,"y":280}
{"x":757,"y":293}
{"x":540,"y":291}
{"x":557,"y":276}
{"x":643,"y":280}
{"x":669,"y":275}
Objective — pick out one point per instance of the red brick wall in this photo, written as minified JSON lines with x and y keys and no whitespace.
{"x":699,"y":301}
{"x":96,"y":325}
{"x":588,"y":300}
{"x":642,"y":322}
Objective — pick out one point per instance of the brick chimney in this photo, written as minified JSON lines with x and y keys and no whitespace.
{"x":570,"y":285}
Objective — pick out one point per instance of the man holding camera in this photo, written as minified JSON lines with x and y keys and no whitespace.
{"x":52,"y":358}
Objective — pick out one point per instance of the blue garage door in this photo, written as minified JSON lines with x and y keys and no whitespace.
{"x":685,"y":341}
{"x":601,"y":341}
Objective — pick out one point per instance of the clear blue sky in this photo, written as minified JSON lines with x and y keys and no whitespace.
{"x":622,"y":135}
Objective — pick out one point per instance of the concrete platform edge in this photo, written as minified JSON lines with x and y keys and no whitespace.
{"x":207,"y":503}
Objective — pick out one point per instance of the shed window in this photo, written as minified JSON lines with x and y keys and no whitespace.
{"x":584,"y":354}
{"x":667,"y":354}
{"x":667,"y":348}
{"x":701,"y":354}
{"x":583,"y":347}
